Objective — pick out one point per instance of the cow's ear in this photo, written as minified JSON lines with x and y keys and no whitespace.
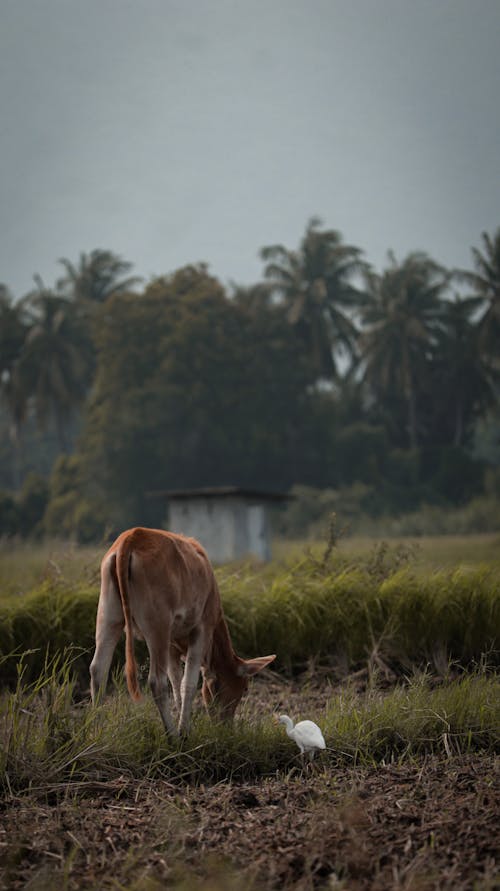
{"x":249,"y":667}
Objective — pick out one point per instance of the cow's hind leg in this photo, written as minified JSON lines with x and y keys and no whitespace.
{"x":158,"y":680}
{"x":109,"y":626}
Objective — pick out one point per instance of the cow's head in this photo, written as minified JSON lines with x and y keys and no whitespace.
{"x":222,"y":692}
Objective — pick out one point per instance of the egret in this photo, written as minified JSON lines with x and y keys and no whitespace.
{"x":306,"y":734}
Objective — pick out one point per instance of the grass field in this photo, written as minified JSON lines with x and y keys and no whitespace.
{"x":405,"y":798}
{"x":24,"y":565}
{"x":427,"y":553}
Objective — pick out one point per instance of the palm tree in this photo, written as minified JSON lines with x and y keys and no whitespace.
{"x":316,"y":285}
{"x":12,"y":334}
{"x":463,"y":379}
{"x":55,"y":360}
{"x":96,"y":277}
{"x":485,"y":281}
{"x":400,"y":321}
{"x":89,"y":284}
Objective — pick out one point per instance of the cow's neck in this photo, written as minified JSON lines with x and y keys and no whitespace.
{"x":223,"y":659}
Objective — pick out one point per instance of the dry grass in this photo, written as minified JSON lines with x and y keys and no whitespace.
{"x":26,"y":565}
{"x":427,"y":553}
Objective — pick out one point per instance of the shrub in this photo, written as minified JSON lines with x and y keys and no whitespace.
{"x":321,"y":610}
{"x":46,"y":622}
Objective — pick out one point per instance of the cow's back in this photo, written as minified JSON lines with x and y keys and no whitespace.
{"x":170,"y":580}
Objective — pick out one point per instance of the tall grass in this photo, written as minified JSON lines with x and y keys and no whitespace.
{"x":45,"y":739}
{"x":456,"y":717}
{"x":335,"y":613}
{"x":44,"y":623}
{"x":342,"y":616}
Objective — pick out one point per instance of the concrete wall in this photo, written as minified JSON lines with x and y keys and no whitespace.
{"x":229,"y":528}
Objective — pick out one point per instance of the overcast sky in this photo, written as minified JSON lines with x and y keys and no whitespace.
{"x":178,"y":131}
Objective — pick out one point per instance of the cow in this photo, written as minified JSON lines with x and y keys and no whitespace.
{"x":160,"y":587}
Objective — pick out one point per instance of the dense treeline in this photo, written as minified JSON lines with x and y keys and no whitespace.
{"x":324,"y":374}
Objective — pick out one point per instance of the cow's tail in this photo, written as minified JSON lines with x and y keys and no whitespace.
{"x":123,"y":572}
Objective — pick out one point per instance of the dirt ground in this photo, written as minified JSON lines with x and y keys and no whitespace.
{"x":434,"y":824}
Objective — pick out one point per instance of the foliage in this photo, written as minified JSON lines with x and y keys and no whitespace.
{"x":485,"y":281}
{"x":54,"y":361}
{"x":23,"y":514}
{"x":317,"y":288}
{"x":32,"y":502}
{"x":339,"y":612}
{"x":307,"y":514}
{"x":400,"y":319}
{"x":462,"y":384}
{"x":96,"y":277}
{"x":69,"y":514}
{"x":200,"y":404}
{"x":325,"y":374}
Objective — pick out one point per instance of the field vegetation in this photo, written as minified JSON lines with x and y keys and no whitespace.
{"x":392,"y":649}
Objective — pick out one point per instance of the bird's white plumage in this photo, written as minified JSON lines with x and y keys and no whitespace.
{"x":306,"y":734}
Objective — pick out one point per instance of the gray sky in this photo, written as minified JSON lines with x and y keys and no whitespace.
{"x":177,"y":131}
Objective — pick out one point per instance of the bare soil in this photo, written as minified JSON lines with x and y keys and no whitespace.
{"x":411,"y":826}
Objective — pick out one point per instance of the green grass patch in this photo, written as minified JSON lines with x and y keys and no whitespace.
{"x":324,"y":610}
{"x":345,"y":615}
{"x":45,"y":738}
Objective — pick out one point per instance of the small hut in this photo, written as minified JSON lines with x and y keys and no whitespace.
{"x":230,"y":522}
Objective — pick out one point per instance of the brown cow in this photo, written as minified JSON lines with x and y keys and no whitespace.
{"x":161,"y":587}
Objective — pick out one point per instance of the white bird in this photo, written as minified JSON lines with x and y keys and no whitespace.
{"x":306,"y":734}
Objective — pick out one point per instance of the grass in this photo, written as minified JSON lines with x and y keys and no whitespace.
{"x":45,"y":738}
{"x":373,"y":611}
{"x":102,"y":798}
{"x":27,"y":565}
{"x":427,"y":553}
{"x":327,"y":608}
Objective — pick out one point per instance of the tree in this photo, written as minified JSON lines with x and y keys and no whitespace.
{"x":122,"y":452}
{"x":70,"y":513}
{"x":316,"y":285}
{"x":400,"y":320}
{"x":485,"y":281}
{"x":54,"y":361}
{"x":191,"y":389}
{"x":32,"y":502}
{"x":96,"y":277}
{"x":254,"y":299}
{"x":461,"y":384}
{"x":12,"y":334}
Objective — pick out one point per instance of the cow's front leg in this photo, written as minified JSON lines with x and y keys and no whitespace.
{"x":190,"y":681}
